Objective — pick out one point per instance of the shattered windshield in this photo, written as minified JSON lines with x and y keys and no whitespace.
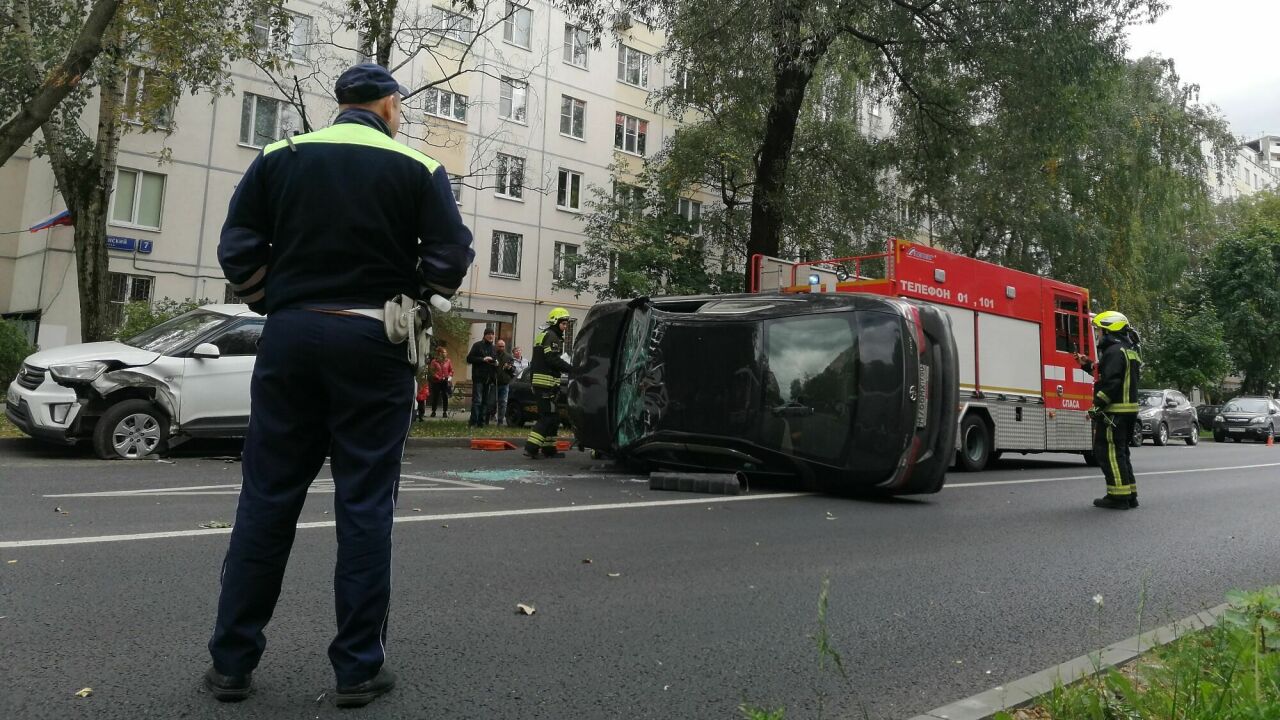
{"x":167,"y":337}
{"x":633,"y":357}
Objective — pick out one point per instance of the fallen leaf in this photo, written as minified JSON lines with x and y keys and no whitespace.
{"x":85,"y":692}
{"x":615,"y":574}
{"x":585,"y":561}
{"x":523,"y":609}
{"x":166,"y":462}
{"x":417,"y":509}
{"x":215,"y":524}
{"x":57,"y":509}
{"x":13,"y":562}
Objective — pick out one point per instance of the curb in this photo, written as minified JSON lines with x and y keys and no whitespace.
{"x":460,"y":442}
{"x":1025,"y":690}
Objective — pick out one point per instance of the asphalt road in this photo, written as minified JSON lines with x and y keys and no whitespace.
{"x":690,"y":604}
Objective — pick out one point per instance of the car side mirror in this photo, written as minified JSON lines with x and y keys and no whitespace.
{"x":1170,"y":403}
{"x":206,"y":351}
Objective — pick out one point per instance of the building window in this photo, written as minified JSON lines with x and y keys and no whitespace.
{"x":633,"y":66}
{"x":455,"y":183}
{"x":139,"y":199}
{"x":575,"y":46}
{"x":229,"y":296}
{"x":264,"y":120}
{"x":569,"y":190}
{"x":691,"y":211}
{"x":449,"y":24}
{"x":123,"y":289}
{"x":516,"y":26}
{"x":510,"y":176}
{"x":629,"y":133}
{"x":141,"y":86}
{"x":512,"y":99}
{"x":564,"y":265}
{"x":504,"y":257}
{"x":630,"y":198}
{"x":294,"y":40}
{"x":445,"y":104}
{"x":573,"y":117}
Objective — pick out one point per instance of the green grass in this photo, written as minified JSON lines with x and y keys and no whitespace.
{"x":7,"y":430}
{"x":1230,"y":671}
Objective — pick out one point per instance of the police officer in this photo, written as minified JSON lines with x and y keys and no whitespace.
{"x":548,"y":365}
{"x":1115,"y":407}
{"x":323,"y":229}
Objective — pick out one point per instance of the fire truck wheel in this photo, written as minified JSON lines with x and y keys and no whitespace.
{"x":975,"y":444}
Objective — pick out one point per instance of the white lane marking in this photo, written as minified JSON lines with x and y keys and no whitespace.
{"x":1098,"y":474}
{"x":416,"y":483}
{"x":407,"y":519}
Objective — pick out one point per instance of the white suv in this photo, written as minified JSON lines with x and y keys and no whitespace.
{"x":186,"y":377}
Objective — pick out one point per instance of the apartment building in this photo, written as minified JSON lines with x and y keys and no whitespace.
{"x":1245,"y":173}
{"x":526,"y":115}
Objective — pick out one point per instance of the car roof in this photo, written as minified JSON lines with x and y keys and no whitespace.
{"x":232,"y":309}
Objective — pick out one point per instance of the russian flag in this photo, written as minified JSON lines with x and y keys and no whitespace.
{"x":62,"y":218}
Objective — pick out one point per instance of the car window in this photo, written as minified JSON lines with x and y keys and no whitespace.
{"x":1151,"y":399}
{"x":1179,"y":398}
{"x":240,"y":340}
{"x":811,"y":381}
{"x":169,"y":336}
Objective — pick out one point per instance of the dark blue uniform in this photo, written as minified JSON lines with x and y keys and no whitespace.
{"x":334,"y":220}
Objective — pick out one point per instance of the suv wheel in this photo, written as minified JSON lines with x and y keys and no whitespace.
{"x":1194,"y":437}
{"x":515,"y":415}
{"x":1161,"y":436}
{"x":131,"y":430}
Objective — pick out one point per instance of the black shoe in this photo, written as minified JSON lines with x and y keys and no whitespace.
{"x":362,"y":694}
{"x":432,"y":415}
{"x":1133,"y":500}
{"x":228,"y":688}
{"x":1112,"y":502}
{"x":532,"y":455}
{"x":552,"y":454}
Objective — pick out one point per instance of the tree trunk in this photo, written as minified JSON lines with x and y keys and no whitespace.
{"x":792,"y":68}
{"x":85,"y":180}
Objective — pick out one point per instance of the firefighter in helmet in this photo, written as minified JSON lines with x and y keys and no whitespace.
{"x":1115,"y":406}
{"x":548,"y":362}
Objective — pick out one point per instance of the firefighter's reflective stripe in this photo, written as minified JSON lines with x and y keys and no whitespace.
{"x":536,"y":438}
{"x":1114,"y":462}
{"x":548,"y":381}
{"x":1130,"y":357}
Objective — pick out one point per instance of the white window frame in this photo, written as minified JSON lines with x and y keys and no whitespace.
{"x":576,"y":44}
{"x":632,"y":196}
{"x":511,"y":24}
{"x":137,"y":76}
{"x":455,"y":184}
{"x":558,"y":266}
{"x":450,"y":25}
{"x":433,"y":100}
{"x":637,"y":132}
{"x":686,"y":208}
{"x":626,"y":54}
{"x":510,"y":167}
{"x":132,"y":222}
{"x":278,"y":132}
{"x":128,"y":284}
{"x":572,"y":105}
{"x":509,"y":91}
{"x":264,"y":35}
{"x":566,"y":179}
{"x":500,"y":246}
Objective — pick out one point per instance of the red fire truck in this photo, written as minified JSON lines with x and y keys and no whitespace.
{"x":1021,"y":389}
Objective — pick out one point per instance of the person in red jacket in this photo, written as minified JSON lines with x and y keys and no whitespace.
{"x":440,"y":373}
{"x":424,"y":391}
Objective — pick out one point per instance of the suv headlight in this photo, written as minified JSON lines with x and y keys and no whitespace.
{"x":1218,"y":418}
{"x":1150,"y":412}
{"x":1258,"y":421}
{"x":81,"y":372}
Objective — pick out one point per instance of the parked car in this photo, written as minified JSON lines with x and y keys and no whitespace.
{"x":186,"y":377}
{"x":522,"y":406}
{"x":1206,"y":413}
{"x":1247,"y":418}
{"x":844,"y":392}
{"x":1166,"y":414}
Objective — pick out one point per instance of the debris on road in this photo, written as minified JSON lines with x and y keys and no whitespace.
{"x":213,"y":524}
{"x":12,"y":562}
{"x":417,"y":509}
{"x":84,"y":692}
{"x":166,"y":462}
{"x":613,"y":575}
{"x":586,"y":561}
{"x":522,"y":609}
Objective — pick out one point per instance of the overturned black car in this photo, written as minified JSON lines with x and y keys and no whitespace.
{"x":846,"y":392}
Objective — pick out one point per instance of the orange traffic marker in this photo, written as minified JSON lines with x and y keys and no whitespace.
{"x":1271,"y":440}
{"x":563,"y":445}
{"x":483,"y":444}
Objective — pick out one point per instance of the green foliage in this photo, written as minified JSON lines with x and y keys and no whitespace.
{"x":139,"y":316}
{"x":1185,"y":350}
{"x":751,"y":712}
{"x":1228,"y":672}
{"x":450,"y":329}
{"x":1241,"y":280}
{"x":14,"y":348}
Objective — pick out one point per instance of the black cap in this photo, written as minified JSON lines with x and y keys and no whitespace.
{"x":365,"y":83}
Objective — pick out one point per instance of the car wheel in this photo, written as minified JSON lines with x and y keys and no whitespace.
{"x":975,"y":444}
{"x":1136,"y":440}
{"x":1194,"y":437}
{"x":1161,"y":436}
{"x":515,"y":416}
{"x":131,"y":430}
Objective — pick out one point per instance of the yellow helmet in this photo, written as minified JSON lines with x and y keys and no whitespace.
{"x":1111,"y":321}
{"x":556,"y":315}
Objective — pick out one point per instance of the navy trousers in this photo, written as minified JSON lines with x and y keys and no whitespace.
{"x":323,"y":385}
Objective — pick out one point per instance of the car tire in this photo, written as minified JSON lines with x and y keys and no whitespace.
{"x":1136,"y":440}
{"x":1161,"y":436}
{"x":975,"y":444}
{"x":1194,"y":437}
{"x":131,"y":430}
{"x":515,"y":416}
